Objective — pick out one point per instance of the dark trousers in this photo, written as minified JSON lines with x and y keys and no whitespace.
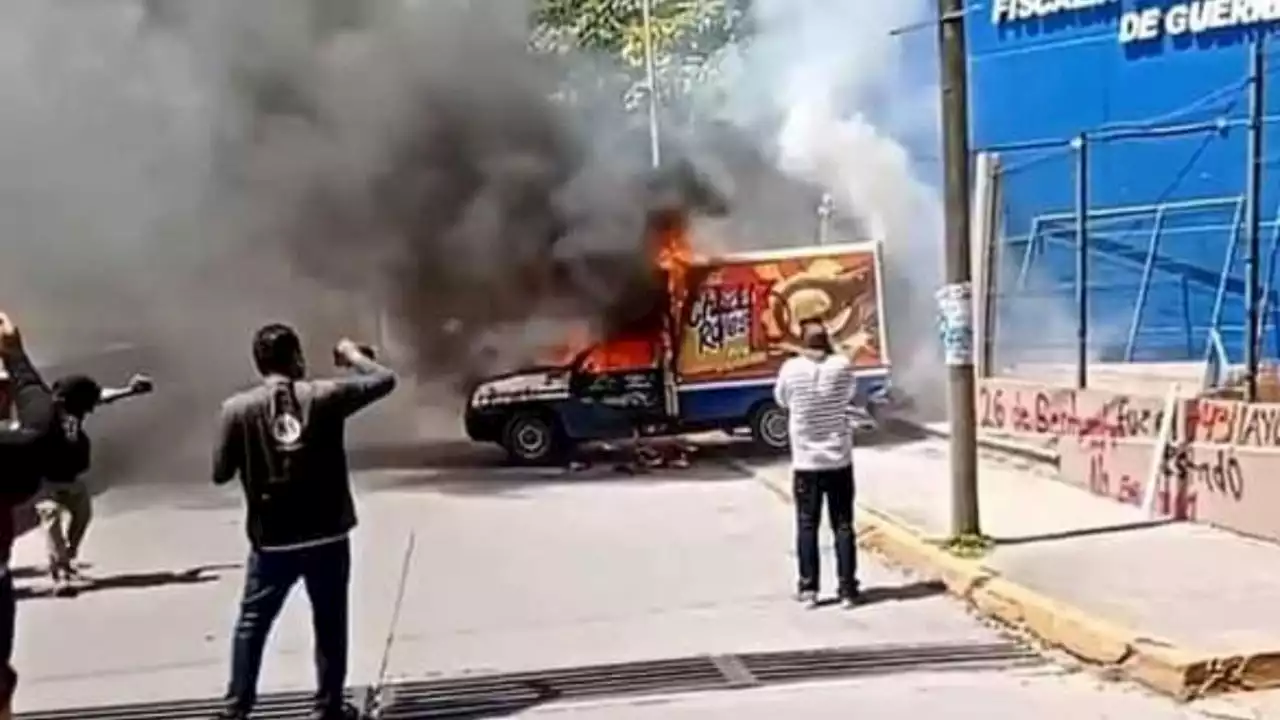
{"x":325,"y":570}
{"x":836,"y":487}
{"x":8,"y":617}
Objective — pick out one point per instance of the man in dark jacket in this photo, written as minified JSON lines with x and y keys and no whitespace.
{"x":284,"y":439}
{"x":24,"y":450}
{"x":65,"y":492}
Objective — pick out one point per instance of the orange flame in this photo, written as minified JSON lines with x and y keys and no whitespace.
{"x":673,"y":254}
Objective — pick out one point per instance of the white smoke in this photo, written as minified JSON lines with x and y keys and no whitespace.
{"x":849,"y":104}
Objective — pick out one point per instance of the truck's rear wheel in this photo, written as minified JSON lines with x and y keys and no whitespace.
{"x":769,"y":427}
{"x":533,"y":439}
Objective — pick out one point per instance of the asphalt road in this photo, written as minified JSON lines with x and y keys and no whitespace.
{"x":518,"y":571}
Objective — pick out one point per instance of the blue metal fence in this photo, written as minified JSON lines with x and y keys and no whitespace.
{"x":1154,"y":291}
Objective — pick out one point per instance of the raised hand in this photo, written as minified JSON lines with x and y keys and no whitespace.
{"x":141,"y":384}
{"x":348,"y":352}
{"x":10,"y":338}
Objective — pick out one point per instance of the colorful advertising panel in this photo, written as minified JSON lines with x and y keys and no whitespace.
{"x":741,"y":318}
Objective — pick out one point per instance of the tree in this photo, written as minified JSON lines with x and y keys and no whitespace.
{"x":688,"y":36}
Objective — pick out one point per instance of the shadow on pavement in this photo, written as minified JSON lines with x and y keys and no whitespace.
{"x":918,"y":590}
{"x":191,"y":576}
{"x":1081,"y":532}
{"x":906,"y":592}
{"x":507,"y":703}
{"x":27,"y":572}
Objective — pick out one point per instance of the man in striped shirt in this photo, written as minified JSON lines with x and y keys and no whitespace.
{"x":816,"y":388}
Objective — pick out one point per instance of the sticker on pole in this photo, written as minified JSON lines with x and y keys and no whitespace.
{"x":955,"y":322}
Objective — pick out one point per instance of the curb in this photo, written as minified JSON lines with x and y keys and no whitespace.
{"x":1153,"y":662}
{"x":1008,"y":447}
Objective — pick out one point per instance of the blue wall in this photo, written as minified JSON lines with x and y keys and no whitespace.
{"x":1068,"y":73}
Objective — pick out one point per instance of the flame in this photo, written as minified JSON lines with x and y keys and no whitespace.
{"x":623,"y":353}
{"x":618,"y":353}
{"x":672,"y":253}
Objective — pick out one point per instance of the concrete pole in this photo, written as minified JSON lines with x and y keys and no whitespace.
{"x":957,"y":204}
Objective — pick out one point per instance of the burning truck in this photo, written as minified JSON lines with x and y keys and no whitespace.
{"x":705,"y":359}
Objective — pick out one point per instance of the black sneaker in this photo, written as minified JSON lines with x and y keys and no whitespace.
{"x":346,"y":712}
{"x":65,"y":589}
{"x":807,"y":597}
{"x":850,"y":599}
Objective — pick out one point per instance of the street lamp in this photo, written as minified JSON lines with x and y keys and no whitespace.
{"x":826,"y":208}
{"x":646,"y":11}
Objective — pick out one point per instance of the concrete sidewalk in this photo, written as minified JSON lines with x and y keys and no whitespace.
{"x":1183,"y":608}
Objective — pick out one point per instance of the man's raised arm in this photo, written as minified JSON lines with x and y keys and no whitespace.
{"x":370,"y":382}
{"x":138,"y":385}
{"x":22,"y":372}
{"x":32,"y":398}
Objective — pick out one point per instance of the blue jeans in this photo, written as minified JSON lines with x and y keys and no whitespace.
{"x":811,"y":487}
{"x":325,"y":571}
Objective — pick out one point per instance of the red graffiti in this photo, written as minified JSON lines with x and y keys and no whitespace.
{"x":1045,"y":412}
{"x":1234,"y":423}
{"x":1120,"y":486}
{"x":1175,"y":496}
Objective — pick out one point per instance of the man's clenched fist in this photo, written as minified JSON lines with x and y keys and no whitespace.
{"x":9,"y":336}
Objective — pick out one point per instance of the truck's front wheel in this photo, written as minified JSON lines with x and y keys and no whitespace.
{"x":533,"y":439}
{"x":769,"y":427}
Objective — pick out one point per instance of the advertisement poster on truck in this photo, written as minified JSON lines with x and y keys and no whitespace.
{"x":741,"y":315}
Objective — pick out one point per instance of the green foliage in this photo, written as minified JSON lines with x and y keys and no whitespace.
{"x":687,"y":35}
{"x":969,"y":546}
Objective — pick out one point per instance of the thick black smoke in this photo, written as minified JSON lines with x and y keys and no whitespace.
{"x":428,"y":164}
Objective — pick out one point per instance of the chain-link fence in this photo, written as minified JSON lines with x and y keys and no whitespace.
{"x":1158,"y":267}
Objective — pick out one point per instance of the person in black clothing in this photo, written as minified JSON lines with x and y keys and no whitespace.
{"x":25,"y":449}
{"x":285,"y":441}
{"x":65,"y":491}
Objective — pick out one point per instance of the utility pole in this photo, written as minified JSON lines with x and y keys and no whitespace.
{"x":1253,"y":200}
{"x":959,"y":271}
{"x":651,"y":78}
{"x":1082,"y":261}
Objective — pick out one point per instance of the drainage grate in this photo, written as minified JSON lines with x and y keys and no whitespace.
{"x":504,"y":694}
{"x":782,"y":667}
{"x":495,"y":695}
{"x":273,"y":706}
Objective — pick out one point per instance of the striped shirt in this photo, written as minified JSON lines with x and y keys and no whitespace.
{"x":816,"y":393}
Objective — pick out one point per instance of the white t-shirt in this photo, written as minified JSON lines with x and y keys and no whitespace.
{"x":816,"y":395}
